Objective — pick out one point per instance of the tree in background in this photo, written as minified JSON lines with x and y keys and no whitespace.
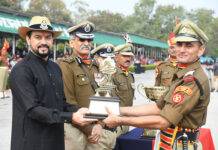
{"x":204,"y":18}
{"x":164,"y":20}
{"x":141,"y":18}
{"x":213,"y":41}
{"x":80,"y":11}
{"x":13,"y":4}
{"x":108,"y":21}
{"x":54,"y":9}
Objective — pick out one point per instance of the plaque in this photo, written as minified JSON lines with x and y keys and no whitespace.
{"x":99,"y":104}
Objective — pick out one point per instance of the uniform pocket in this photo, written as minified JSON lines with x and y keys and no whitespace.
{"x":122,"y":87}
{"x":82,"y":79}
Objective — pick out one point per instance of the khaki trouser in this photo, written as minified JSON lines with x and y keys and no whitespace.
{"x":76,"y":140}
{"x":108,"y":139}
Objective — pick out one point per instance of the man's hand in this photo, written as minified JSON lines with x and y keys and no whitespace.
{"x":96,"y":134}
{"x":112,"y":120}
{"x":77,"y":117}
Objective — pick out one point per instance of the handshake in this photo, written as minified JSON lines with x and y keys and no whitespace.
{"x":79,"y":118}
{"x":92,"y":127}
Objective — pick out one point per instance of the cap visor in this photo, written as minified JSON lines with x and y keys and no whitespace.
{"x":85,"y":36}
{"x":185,"y":39}
{"x":127,"y":53}
{"x":107,"y":55}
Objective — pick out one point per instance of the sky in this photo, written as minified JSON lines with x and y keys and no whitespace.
{"x":126,"y":7}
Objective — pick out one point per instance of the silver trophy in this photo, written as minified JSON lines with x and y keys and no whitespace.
{"x":107,"y":68}
{"x":103,"y":98}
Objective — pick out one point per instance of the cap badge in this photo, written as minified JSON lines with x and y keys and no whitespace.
{"x":109,"y":49}
{"x":44,"y":25}
{"x":87,"y":28}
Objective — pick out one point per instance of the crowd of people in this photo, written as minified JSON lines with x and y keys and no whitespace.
{"x":51,"y":99}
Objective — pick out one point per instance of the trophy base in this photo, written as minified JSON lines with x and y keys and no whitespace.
{"x":96,"y":116}
{"x":99,"y":104}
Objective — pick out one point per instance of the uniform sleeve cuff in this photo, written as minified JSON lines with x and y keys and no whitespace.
{"x":160,"y":104}
{"x":171,"y":115}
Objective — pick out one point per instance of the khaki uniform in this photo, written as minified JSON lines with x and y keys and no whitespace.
{"x":77,"y":89}
{"x":165,"y":72}
{"x":125,"y":91}
{"x":77,"y":85}
{"x":185,"y":105}
{"x":124,"y":87}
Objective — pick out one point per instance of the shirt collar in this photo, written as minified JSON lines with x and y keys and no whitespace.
{"x":190,"y":67}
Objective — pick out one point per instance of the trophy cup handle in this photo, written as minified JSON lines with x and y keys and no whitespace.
{"x":140,"y":89}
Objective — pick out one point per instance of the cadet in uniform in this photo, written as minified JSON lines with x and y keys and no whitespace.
{"x":79,"y":84}
{"x":166,"y":69}
{"x":183,"y":109}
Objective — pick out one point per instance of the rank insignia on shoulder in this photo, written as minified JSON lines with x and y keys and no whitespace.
{"x":189,"y":73}
{"x":184,"y":89}
{"x":178,"y":98}
{"x":68,"y":59}
{"x":189,"y":77}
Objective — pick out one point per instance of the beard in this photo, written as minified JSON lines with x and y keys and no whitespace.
{"x":42,"y":55}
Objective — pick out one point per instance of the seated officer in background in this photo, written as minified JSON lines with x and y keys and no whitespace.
{"x":79,"y":84}
{"x":166,"y":69}
{"x":183,"y":109}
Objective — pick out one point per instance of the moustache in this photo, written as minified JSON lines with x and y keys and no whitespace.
{"x":85,"y":46}
{"x":43,"y":45}
{"x":128,"y":61}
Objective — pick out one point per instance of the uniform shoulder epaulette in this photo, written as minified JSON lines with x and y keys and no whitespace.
{"x":68,"y":59}
{"x":160,"y":63}
{"x":189,"y":76}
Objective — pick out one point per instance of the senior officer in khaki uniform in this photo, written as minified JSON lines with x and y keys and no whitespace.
{"x":166,"y":69}
{"x":79,"y":84}
{"x":183,"y":109}
{"x":123,"y":79}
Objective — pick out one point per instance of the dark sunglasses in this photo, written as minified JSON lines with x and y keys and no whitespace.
{"x":83,"y":40}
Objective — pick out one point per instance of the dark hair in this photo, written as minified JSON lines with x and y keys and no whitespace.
{"x":29,"y":34}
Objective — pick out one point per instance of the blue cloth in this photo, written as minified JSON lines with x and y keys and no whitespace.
{"x":133,"y":140}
